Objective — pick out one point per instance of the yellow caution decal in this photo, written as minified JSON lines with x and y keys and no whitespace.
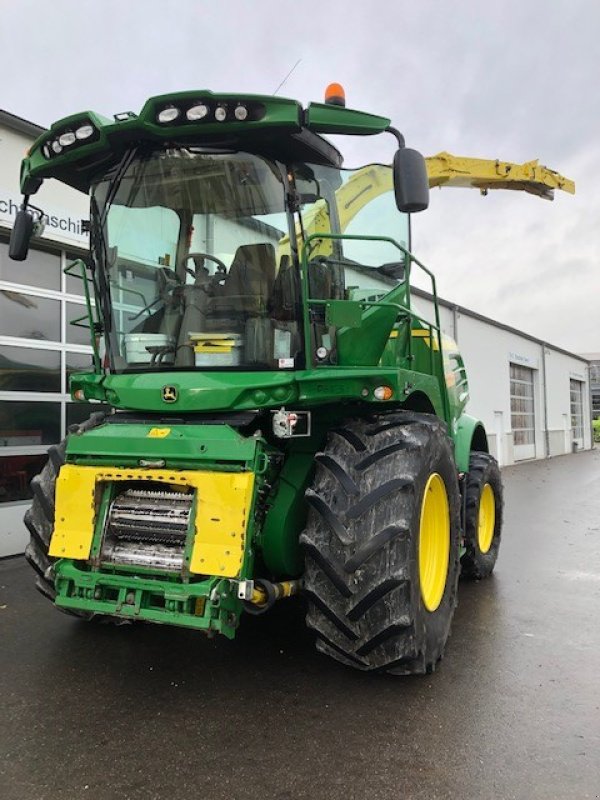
{"x":158,"y":433}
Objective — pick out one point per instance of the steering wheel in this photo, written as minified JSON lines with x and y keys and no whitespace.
{"x":221,"y":267}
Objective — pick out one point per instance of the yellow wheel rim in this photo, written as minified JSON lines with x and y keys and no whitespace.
{"x":434,"y":542}
{"x":487,"y":518}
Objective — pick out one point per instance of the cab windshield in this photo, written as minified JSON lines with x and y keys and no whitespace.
{"x":193,"y":245}
{"x":199,"y":256}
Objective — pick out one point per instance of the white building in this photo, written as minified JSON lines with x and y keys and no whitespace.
{"x":532,"y":397}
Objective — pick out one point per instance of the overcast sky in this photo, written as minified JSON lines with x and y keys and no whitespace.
{"x":515,"y":81}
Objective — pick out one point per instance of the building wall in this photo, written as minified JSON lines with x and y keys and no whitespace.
{"x":488,"y":351}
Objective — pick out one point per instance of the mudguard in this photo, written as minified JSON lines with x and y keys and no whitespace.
{"x":469,"y":434}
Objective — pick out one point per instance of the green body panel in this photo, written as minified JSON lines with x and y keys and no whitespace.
{"x":322,"y":118}
{"x":285,"y":520}
{"x":185,"y":446}
{"x":241,"y":391}
{"x":363,"y":345}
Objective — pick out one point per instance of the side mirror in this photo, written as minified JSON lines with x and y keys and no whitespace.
{"x":21,"y":235}
{"x":411,"y":182}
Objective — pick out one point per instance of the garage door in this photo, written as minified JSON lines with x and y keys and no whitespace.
{"x":522,"y":411}
{"x":577,"y":412}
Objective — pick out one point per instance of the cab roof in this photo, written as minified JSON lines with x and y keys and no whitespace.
{"x":78,"y":148}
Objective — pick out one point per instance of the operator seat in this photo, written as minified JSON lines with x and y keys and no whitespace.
{"x":248,"y":285}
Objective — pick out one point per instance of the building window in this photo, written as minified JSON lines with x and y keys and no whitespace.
{"x":16,"y":473}
{"x":29,"y":316}
{"x":30,"y":424}
{"x":39,"y":351}
{"x":41,"y":269}
{"x":522,"y":408}
{"x":25,"y":369}
{"x":577,"y":410}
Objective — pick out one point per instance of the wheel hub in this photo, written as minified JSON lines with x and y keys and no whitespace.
{"x":487,"y":519}
{"x":434,"y":542}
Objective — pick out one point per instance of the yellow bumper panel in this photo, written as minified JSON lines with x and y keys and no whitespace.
{"x":75,"y":512}
{"x":224,"y":501}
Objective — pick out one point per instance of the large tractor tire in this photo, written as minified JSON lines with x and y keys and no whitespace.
{"x":483,"y":516}
{"x":382,"y":543}
{"x":39,"y":519}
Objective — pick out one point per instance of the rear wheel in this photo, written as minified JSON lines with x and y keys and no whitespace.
{"x":39,"y":519}
{"x":483,"y":516}
{"x":382,"y":543}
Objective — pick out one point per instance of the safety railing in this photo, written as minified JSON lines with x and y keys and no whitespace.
{"x":404,"y":309}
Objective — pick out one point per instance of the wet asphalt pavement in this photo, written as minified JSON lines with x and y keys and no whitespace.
{"x":95,"y":712}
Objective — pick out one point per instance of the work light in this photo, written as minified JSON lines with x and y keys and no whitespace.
{"x":168,"y":114}
{"x":84,"y":132}
{"x":66,"y":138}
{"x":197,"y":112}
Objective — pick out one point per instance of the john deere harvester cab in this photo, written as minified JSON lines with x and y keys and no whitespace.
{"x":277,"y":416}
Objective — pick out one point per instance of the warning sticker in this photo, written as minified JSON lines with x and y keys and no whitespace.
{"x":286,"y":363}
{"x":158,"y":433}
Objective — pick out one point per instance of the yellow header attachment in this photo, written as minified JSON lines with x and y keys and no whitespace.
{"x":444,"y":169}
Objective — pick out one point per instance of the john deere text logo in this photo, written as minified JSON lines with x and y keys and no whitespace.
{"x":169,"y":394}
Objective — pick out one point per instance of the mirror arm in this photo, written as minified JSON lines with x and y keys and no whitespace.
{"x":395,"y":132}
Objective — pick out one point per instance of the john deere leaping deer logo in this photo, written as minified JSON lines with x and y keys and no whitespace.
{"x":169,"y":394}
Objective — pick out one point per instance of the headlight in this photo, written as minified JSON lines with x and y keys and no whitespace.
{"x":197,"y":112}
{"x":221,"y":114}
{"x":66,"y":138}
{"x":56,"y":146}
{"x":241,"y":112}
{"x":84,"y":132}
{"x":168,"y":114}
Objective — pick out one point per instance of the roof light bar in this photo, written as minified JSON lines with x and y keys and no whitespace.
{"x":209,"y":110}
{"x":73,"y":136}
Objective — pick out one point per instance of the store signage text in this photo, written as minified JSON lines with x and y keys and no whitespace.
{"x":57,"y":225}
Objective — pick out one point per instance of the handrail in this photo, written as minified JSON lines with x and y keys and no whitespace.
{"x":409,"y":260}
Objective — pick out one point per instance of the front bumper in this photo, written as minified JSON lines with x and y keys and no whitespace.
{"x":209,"y":604}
